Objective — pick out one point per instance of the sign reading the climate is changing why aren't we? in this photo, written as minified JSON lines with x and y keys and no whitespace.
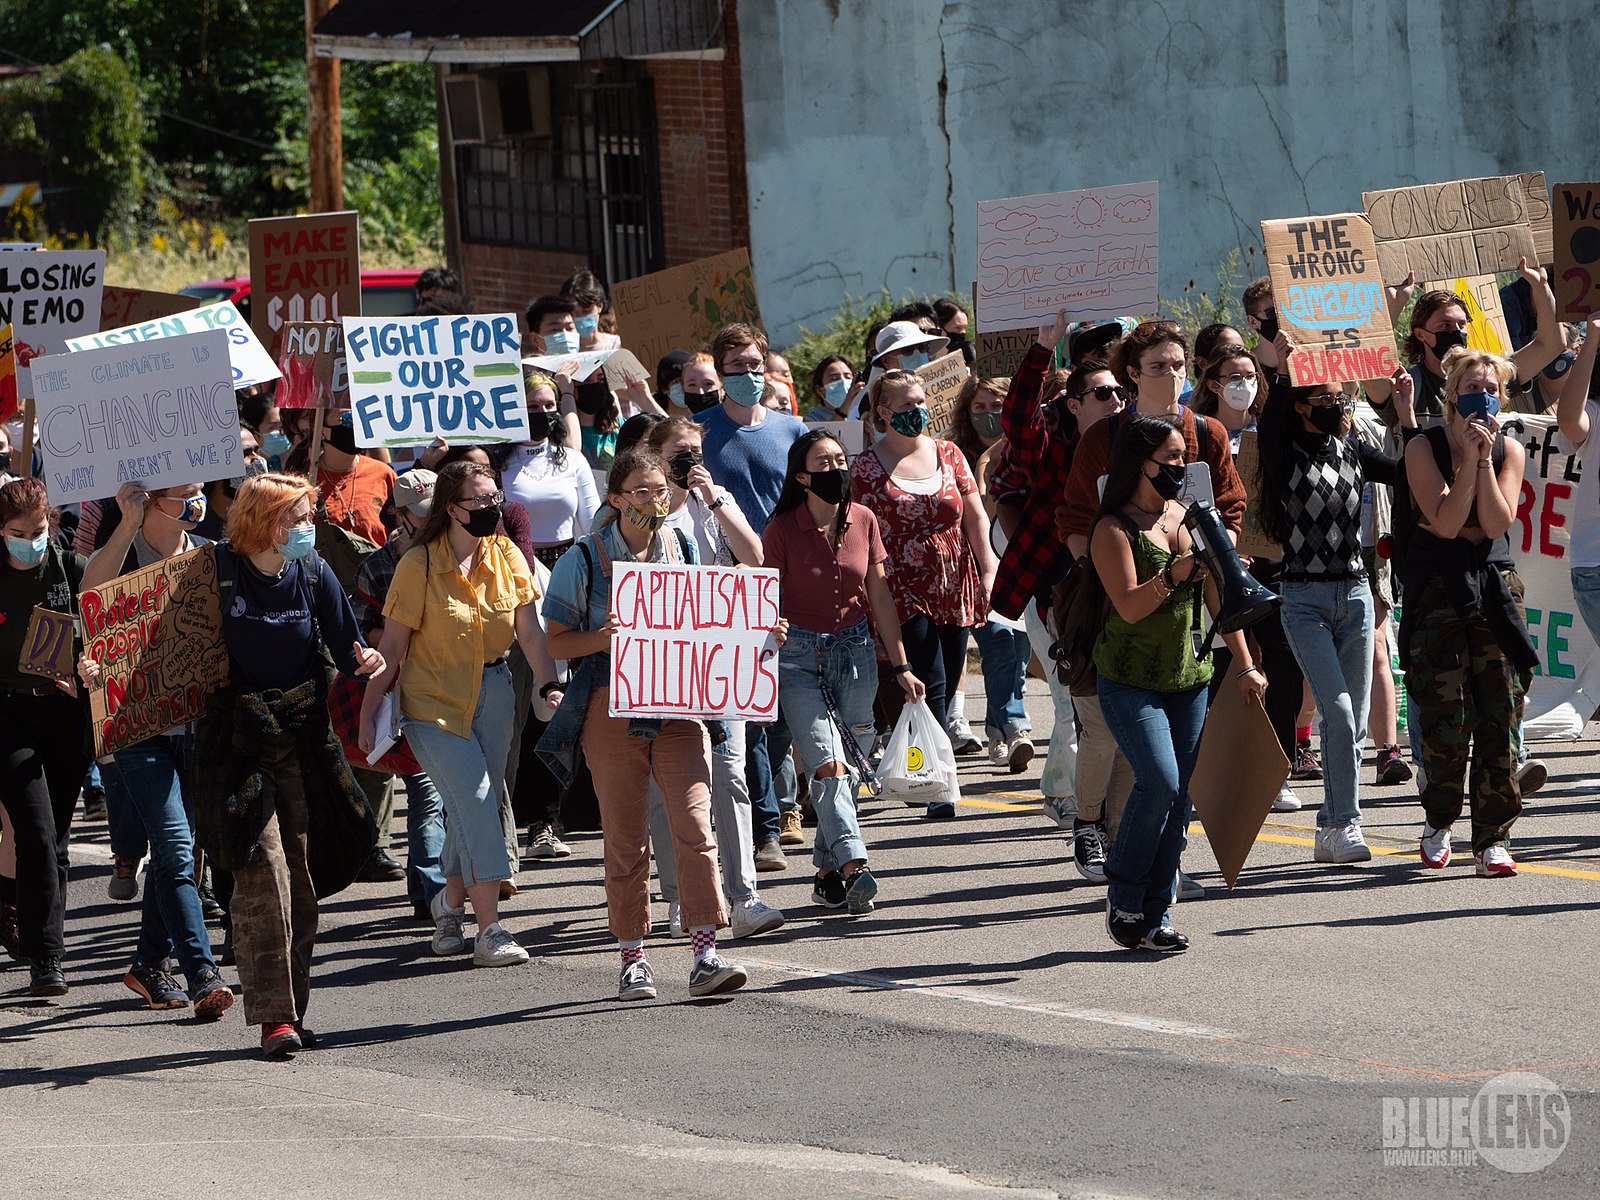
{"x":1091,"y":252}
{"x":160,"y":413}
{"x":413,"y":379}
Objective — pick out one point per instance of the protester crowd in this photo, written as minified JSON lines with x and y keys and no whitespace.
{"x":469,"y":589}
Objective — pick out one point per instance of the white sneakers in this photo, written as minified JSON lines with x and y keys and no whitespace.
{"x":1013,"y":753}
{"x":447,"y":922}
{"x":1435,"y":846}
{"x":1341,"y":844}
{"x":751,"y":917}
{"x":1189,"y":888}
{"x":494,"y":947}
{"x":1286,"y":800}
{"x":1496,"y":862}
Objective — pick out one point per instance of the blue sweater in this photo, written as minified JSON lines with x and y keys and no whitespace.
{"x":750,"y":460}
{"x":266,"y":624}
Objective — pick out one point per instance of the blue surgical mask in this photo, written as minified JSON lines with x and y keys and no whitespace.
{"x":835,"y":393}
{"x":276,"y":444}
{"x":912,"y":359}
{"x":675,"y":394}
{"x":587,"y":326}
{"x":302,"y":541}
{"x":562,"y":341}
{"x":29,"y":554}
{"x":745,"y":388}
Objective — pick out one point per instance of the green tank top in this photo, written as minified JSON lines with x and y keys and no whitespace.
{"x":1156,"y":653}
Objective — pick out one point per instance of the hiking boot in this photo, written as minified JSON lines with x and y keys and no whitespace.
{"x":789,"y":828}
{"x":1392,"y":768}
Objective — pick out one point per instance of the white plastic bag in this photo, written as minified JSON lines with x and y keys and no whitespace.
{"x":919,"y":763}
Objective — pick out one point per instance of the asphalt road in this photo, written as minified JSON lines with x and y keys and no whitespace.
{"x":978,"y":1034}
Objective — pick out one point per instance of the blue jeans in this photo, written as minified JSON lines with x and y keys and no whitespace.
{"x":1060,"y":778}
{"x":847,"y":664}
{"x":1005,"y":672}
{"x":1159,"y":732}
{"x":122,"y":822}
{"x":424,"y":839}
{"x":150,"y":779}
{"x":470,"y":774}
{"x":1329,"y":627}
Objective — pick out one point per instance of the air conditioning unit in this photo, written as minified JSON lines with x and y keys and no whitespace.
{"x":492,"y":106}
{"x":524,"y":98}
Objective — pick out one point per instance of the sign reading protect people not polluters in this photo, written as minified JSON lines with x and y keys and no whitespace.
{"x":413,"y":379}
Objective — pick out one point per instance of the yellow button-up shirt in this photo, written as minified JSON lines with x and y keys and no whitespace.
{"x":458,"y":623}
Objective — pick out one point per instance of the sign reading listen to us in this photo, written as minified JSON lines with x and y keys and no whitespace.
{"x":413,"y":379}
{"x":694,"y":642}
{"x":1092,"y":253}
{"x":1330,"y":297}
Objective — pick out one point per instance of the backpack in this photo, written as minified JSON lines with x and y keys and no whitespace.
{"x":1078,"y":610}
{"x":342,"y":550}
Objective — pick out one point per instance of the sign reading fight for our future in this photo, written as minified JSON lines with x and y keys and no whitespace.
{"x":413,"y":379}
{"x":694,"y":642}
{"x":1091,"y":252}
{"x":48,"y":297}
{"x":160,"y":413}
{"x":251,"y":363}
{"x":1329,"y":294}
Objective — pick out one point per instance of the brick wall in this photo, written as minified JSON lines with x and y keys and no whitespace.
{"x":505,"y":279}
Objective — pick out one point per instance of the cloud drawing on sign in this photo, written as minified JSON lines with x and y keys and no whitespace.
{"x":1040,"y":237}
{"x":1130,"y":212}
{"x":1013,"y":221}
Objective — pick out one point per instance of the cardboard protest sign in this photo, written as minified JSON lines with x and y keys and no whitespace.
{"x":312,"y":360}
{"x":587,"y":361}
{"x":694,"y":642}
{"x":161,"y":413}
{"x":1252,"y":543}
{"x":849,"y":434}
{"x":47,"y":645}
{"x":49,"y":297}
{"x":157,"y":635}
{"x":8,"y":374}
{"x":1536,"y":195}
{"x":303,"y":269}
{"x":1442,"y":230}
{"x":133,"y":306}
{"x":1237,"y":775}
{"x":682,"y":307}
{"x":413,"y":379}
{"x":1486,"y":316}
{"x":942,"y":381}
{"x":1000,"y":353}
{"x":1330,"y":297}
{"x":1091,"y":252}
{"x":1577,"y":250}
{"x":623,"y":368}
{"x":251,"y":363}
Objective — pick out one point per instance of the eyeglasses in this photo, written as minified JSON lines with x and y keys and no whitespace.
{"x":1326,"y":400}
{"x":646,"y":495}
{"x":478,"y":502}
{"x":1105,"y":393}
{"x":746,"y":366}
{"x":1239,"y":377}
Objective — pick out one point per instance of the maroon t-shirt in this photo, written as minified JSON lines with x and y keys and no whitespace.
{"x":823,"y":591}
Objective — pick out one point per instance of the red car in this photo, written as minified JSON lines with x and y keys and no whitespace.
{"x":383,"y":293}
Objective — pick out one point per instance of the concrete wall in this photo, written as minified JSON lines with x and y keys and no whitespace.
{"x":873,"y":127}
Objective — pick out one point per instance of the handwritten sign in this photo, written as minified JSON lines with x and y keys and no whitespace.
{"x":694,"y":642}
{"x":1001,"y":353}
{"x":1091,"y":252}
{"x":49,"y":297}
{"x":47,"y":645}
{"x":942,"y":381}
{"x":1536,"y":195}
{"x":1330,"y":297}
{"x":161,"y":413}
{"x":157,"y":635}
{"x":1442,"y":230}
{"x":623,"y":368}
{"x":133,"y":306}
{"x":303,"y":269}
{"x":1577,"y":250}
{"x":251,"y":363}
{"x":8,"y":375}
{"x":413,"y":379}
{"x":682,"y":307}
{"x":1486,"y":316}
{"x":312,"y":360}
{"x":1252,"y":542}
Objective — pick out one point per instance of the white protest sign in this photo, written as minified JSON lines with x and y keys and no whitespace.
{"x":48,"y":297}
{"x":161,"y":413}
{"x":587,"y":362}
{"x":1091,"y":252}
{"x":694,"y":642}
{"x":849,"y":434}
{"x":251,"y":362}
{"x":413,"y":379}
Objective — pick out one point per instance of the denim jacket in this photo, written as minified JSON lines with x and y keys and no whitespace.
{"x":579,"y":597}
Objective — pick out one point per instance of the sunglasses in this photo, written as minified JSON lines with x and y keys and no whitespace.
{"x":1105,"y":393}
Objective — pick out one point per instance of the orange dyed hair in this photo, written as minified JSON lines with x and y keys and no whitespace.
{"x":261,"y":507}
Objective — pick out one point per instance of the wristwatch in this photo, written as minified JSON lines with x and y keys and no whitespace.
{"x":903,"y":669}
{"x":716,"y":504}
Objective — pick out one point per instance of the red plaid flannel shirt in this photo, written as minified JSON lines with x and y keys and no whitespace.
{"x":1035,"y":558}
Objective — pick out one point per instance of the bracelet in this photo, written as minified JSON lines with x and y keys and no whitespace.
{"x":1247,"y":671}
{"x":553,"y":686}
{"x":1485,"y":462}
{"x":903,"y":669}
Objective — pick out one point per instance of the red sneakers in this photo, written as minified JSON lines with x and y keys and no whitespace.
{"x":279,"y":1037}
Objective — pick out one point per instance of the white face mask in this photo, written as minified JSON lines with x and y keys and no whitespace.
{"x":1240,"y":394}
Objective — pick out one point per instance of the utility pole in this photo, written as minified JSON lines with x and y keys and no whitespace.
{"x":324,"y":133}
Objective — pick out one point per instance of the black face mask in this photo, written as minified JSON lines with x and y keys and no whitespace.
{"x":341,"y":437}
{"x":699,"y":402}
{"x":681,"y":463}
{"x":593,"y":398}
{"x":1447,"y":340}
{"x":541,"y":424}
{"x":481,"y":522}
{"x":1168,"y":480}
{"x":830,"y":487}
{"x":1327,"y":418}
{"x":1269,"y":327}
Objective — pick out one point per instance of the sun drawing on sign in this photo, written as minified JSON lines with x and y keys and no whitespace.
{"x":1088,"y":212}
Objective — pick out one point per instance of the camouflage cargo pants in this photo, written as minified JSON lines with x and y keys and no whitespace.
{"x":1468,"y":704}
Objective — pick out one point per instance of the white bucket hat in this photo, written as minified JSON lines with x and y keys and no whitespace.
{"x":903,"y":335}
